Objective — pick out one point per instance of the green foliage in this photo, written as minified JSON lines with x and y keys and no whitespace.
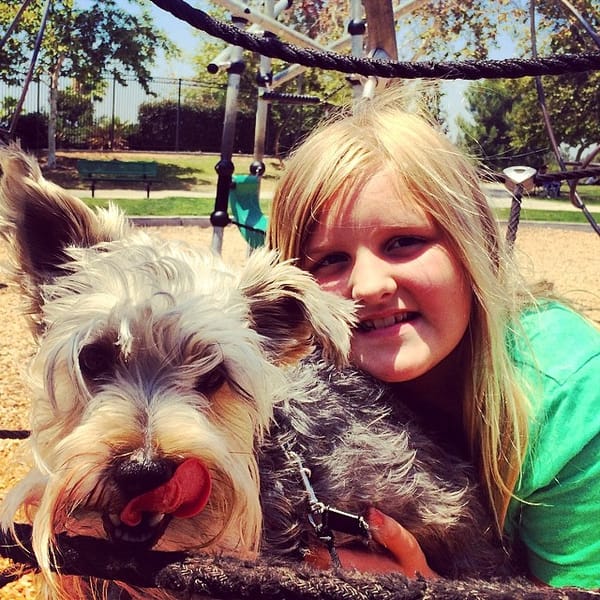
{"x":201,"y":127}
{"x":109,"y":134}
{"x":75,"y":117}
{"x":507,"y":118}
{"x":83,"y":42}
{"x":488,"y":136}
{"x":507,"y":121}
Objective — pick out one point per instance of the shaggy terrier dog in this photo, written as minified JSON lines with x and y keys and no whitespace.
{"x":167,"y":411}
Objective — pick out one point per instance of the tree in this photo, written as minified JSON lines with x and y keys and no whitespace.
{"x":572,"y":99}
{"x":507,"y":115}
{"x":85,"y":44}
{"x":487,"y":135}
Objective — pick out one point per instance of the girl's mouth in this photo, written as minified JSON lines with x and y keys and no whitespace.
{"x":374,"y":324}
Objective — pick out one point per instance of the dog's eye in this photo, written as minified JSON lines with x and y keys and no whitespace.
{"x":97,"y":361}
{"x":211,"y":381}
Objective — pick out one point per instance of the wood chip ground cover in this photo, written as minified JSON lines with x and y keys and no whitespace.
{"x":570,"y":258}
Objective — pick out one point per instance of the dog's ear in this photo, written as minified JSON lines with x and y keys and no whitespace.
{"x":41,"y":221}
{"x":292,"y":313}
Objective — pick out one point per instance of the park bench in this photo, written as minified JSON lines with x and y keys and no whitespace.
{"x":117,"y":170}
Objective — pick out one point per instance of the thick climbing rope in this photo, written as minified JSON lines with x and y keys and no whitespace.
{"x":272,"y":47}
{"x":234,"y":579}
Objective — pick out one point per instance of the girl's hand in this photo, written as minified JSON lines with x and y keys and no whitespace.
{"x":400,"y":551}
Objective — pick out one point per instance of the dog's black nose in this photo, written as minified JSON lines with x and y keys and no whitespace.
{"x":136,"y":476}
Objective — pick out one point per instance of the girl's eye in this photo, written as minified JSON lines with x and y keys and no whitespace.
{"x":405,"y":241}
{"x":328,"y":260}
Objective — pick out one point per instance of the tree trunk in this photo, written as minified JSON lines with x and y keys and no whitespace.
{"x":53,"y":116}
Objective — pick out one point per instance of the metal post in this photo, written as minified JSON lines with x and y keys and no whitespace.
{"x":28,"y":77}
{"x":112,"y":120}
{"x":178,"y":116}
{"x":263,"y":79}
{"x":220,"y":217}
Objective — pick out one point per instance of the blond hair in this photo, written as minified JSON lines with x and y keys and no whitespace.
{"x":334,"y":163}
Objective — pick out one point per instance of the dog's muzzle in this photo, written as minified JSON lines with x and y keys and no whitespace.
{"x":158,"y":491}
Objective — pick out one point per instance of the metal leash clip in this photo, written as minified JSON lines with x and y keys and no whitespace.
{"x":329,"y":519}
{"x":326,"y":519}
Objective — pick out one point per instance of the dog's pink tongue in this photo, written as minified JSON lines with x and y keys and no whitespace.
{"x":184,"y":495}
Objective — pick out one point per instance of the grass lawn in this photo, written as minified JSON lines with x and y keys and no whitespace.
{"x":178,"y":206}
{"x":191,"y":171}
{"x":590,"y":194}
{"x":160,"y":207}
{"x":175,"y":171}
{"x":553,"y":216}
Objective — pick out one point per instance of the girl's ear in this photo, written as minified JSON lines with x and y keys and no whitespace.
{"x":41,"y":221}
{"x":291,"y":312}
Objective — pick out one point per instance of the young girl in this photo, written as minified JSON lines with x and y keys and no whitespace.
{"x":381,"y":208}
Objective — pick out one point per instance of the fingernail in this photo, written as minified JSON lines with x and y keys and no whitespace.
{"x":374,"y":517}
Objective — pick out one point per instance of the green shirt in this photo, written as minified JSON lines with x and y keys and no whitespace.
{"x":558,"y":519}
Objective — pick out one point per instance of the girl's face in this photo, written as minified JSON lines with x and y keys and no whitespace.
{"x":414,"y":297}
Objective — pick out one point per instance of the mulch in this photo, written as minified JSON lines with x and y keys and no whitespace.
{"x":567,"y":257}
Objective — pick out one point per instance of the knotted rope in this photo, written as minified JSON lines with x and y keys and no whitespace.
{"x":234,"y":579}
{"x":467,"y":69}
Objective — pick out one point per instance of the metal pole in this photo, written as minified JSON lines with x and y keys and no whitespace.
{"x":29,"y":76}
{"x":220,"y":217}
{"x":178,"y":116}
{"x":112,"y":121}
{"x":264,"y":78}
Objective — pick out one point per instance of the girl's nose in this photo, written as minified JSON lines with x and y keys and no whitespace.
{"x":371,"y":279}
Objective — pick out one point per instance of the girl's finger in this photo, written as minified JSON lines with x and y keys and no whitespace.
{"x":400,"y":543}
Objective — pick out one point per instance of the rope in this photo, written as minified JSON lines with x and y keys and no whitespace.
{"x":468,"y":69}
{"x":248,"y":227}
{"x":514,"y":217}
{"x":14,"y":434}
{"x":234,"y":579}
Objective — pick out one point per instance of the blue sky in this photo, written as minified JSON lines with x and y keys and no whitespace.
{"x":183,"y":35}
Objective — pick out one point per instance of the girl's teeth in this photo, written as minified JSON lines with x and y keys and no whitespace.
{"x":372,"y":324}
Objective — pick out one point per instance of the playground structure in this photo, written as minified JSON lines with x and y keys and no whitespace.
{"x":380,"y":49}
{"x":380,"y":44}
{"x":243,"y":190}
{"x":369,"y":65}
